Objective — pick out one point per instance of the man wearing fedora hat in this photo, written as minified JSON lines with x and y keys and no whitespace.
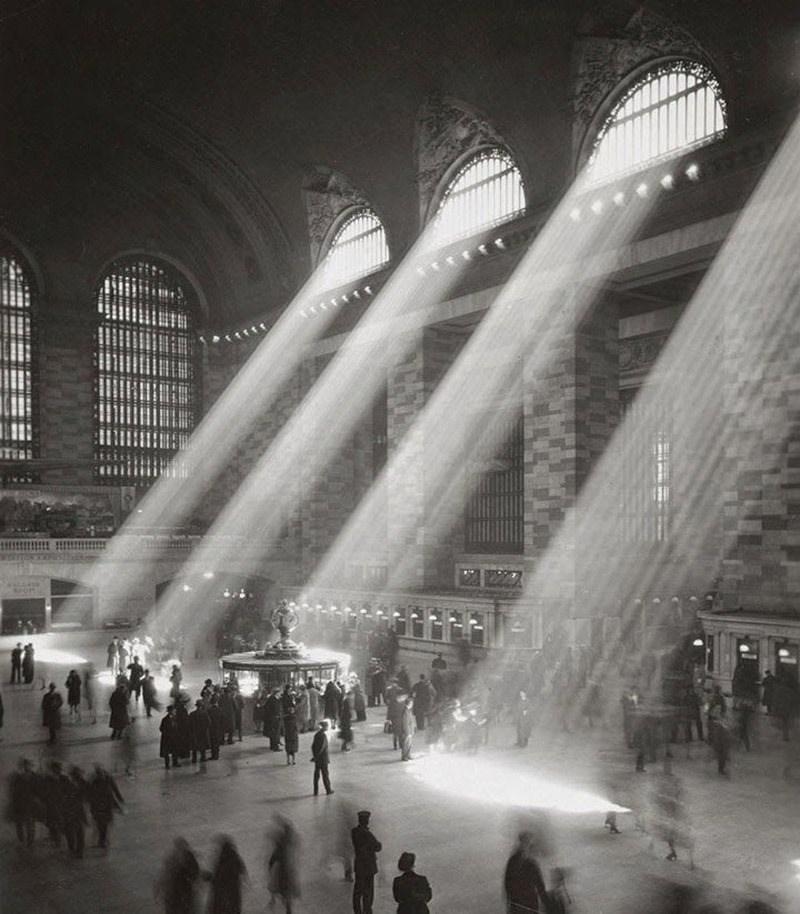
{"x":365,"y":865}
{"x":411,"y":891}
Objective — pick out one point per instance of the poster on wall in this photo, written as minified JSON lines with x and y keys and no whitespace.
{"x":59,"y":511}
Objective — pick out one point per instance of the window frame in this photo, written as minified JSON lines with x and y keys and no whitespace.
{"x":132,"y":330}
{"x":457,"y":171}
{"x":625,"y":91}
{"x":31,"y":364}
{"x":330,"y":280}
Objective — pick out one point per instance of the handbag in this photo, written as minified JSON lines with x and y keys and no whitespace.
{"x":387,"y":726}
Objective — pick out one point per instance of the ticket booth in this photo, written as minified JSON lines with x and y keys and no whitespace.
{"x":786,"y":656}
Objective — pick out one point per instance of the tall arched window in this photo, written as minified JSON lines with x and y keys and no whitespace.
{"x":146,"y":378}
{"x":485,"y":191}
{"x":358,"y":248}
{"x":673,"y":108}
{"x":17,"y":389}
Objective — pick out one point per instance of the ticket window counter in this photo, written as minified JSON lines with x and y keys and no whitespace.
{"x":786,"y":657}
{"x":747,"y":654}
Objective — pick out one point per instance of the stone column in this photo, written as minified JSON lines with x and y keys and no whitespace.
{"x":570,"y":410}
{"x":761,"y":463}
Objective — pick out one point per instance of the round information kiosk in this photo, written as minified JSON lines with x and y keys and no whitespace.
{"x":284,"y":661}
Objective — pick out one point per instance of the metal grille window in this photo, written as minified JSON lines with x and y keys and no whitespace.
{"x":456,"y":622}
{"x":358,"y":248}
{"x":674,"y":108}
{"x":486,"y":191}
{"x":145,"y":386}
{"x":435,"y":616}
{"x":399,"y":616}
{"x":17,"y":343}
{"x":476,"y":629}
{"x":646,"y":469}
{"x":495,"y":511}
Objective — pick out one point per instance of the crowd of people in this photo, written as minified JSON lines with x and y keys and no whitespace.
{"x":442,"y":708}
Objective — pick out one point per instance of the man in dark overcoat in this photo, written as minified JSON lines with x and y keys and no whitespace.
{"x":168,"y":749}
{"x":200,"y":725}
{"x":16,"y":663}
{"x":321,"y":758}
{"x":51,"y":711}
{"x":365,"y":864}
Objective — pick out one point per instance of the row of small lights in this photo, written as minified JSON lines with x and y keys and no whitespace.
{"x":642,"y":190}
{"x":378,"y":612}
{"x":453,"y":260}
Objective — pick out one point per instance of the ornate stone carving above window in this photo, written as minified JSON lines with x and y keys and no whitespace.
{"x":446,"y":130}
{"x":602,"y":62}
{"x":327,"y":193}
{"x":637,"y":354}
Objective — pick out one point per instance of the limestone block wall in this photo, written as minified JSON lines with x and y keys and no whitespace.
{"x":761,"y":470}
{"x":66,"y":399}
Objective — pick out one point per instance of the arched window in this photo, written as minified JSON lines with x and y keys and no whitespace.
{"x":17,"y":426}
{"x":358,"y":248}
{"x":673,"y":108}
{"x":485,"y":191}
{"x":146,"y":379}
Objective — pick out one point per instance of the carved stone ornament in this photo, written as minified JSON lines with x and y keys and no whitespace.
{"x":446,"y":130}
{"x":639,"y":353}
{"x":327,"y":195}
{"x":601,"y":63}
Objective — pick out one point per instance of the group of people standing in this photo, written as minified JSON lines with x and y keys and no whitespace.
{"x":198,"y":734}
{"x":22,"y":663}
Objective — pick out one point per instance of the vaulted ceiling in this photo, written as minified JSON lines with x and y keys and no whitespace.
{"x":187,"y":127}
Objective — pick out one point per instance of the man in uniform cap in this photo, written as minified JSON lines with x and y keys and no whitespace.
{"x":366,"y":846}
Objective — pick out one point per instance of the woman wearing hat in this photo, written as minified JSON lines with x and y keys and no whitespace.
{"x":411,"y":891}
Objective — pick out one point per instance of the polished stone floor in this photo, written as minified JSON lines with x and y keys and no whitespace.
{"x":458,"y":813}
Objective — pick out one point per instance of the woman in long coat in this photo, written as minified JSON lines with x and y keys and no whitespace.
{"x":272,"y":721}
{"x":225,"y":895}
{"x":169,"y":746}
{"x":119,"y":711}
{"x":359,"y":705}
{"x":302,"y":709}
{"x":330,"y":702}
{"x":73,"y":687}
{"x":346,"y":723}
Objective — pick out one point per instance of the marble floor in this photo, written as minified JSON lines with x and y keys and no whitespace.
{"x":457,"y":813}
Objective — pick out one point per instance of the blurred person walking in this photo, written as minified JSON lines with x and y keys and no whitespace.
{"x":135,"y":677}
{"x":314,"y":701}
{"x":406,"y":730}
{"x":88,"y":691}
{"x":75,"y":797}
{"x":346,"y":723}
{"x":23,"y":801}
{"x":411,"y":891}
{"x":149,"y":697}
{"x":225,"y":895}
{"x":524,"y":885}
{"x":104,"y":798}
{"x":524,"y":720}
{"x":176,"y":885}
{"x":365,"y":864}
{"x":282,"y":879}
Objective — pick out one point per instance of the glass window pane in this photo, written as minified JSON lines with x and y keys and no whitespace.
{"x":670,"y":110}
{"x":145,"y":387}
{"x":488,"y":190}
